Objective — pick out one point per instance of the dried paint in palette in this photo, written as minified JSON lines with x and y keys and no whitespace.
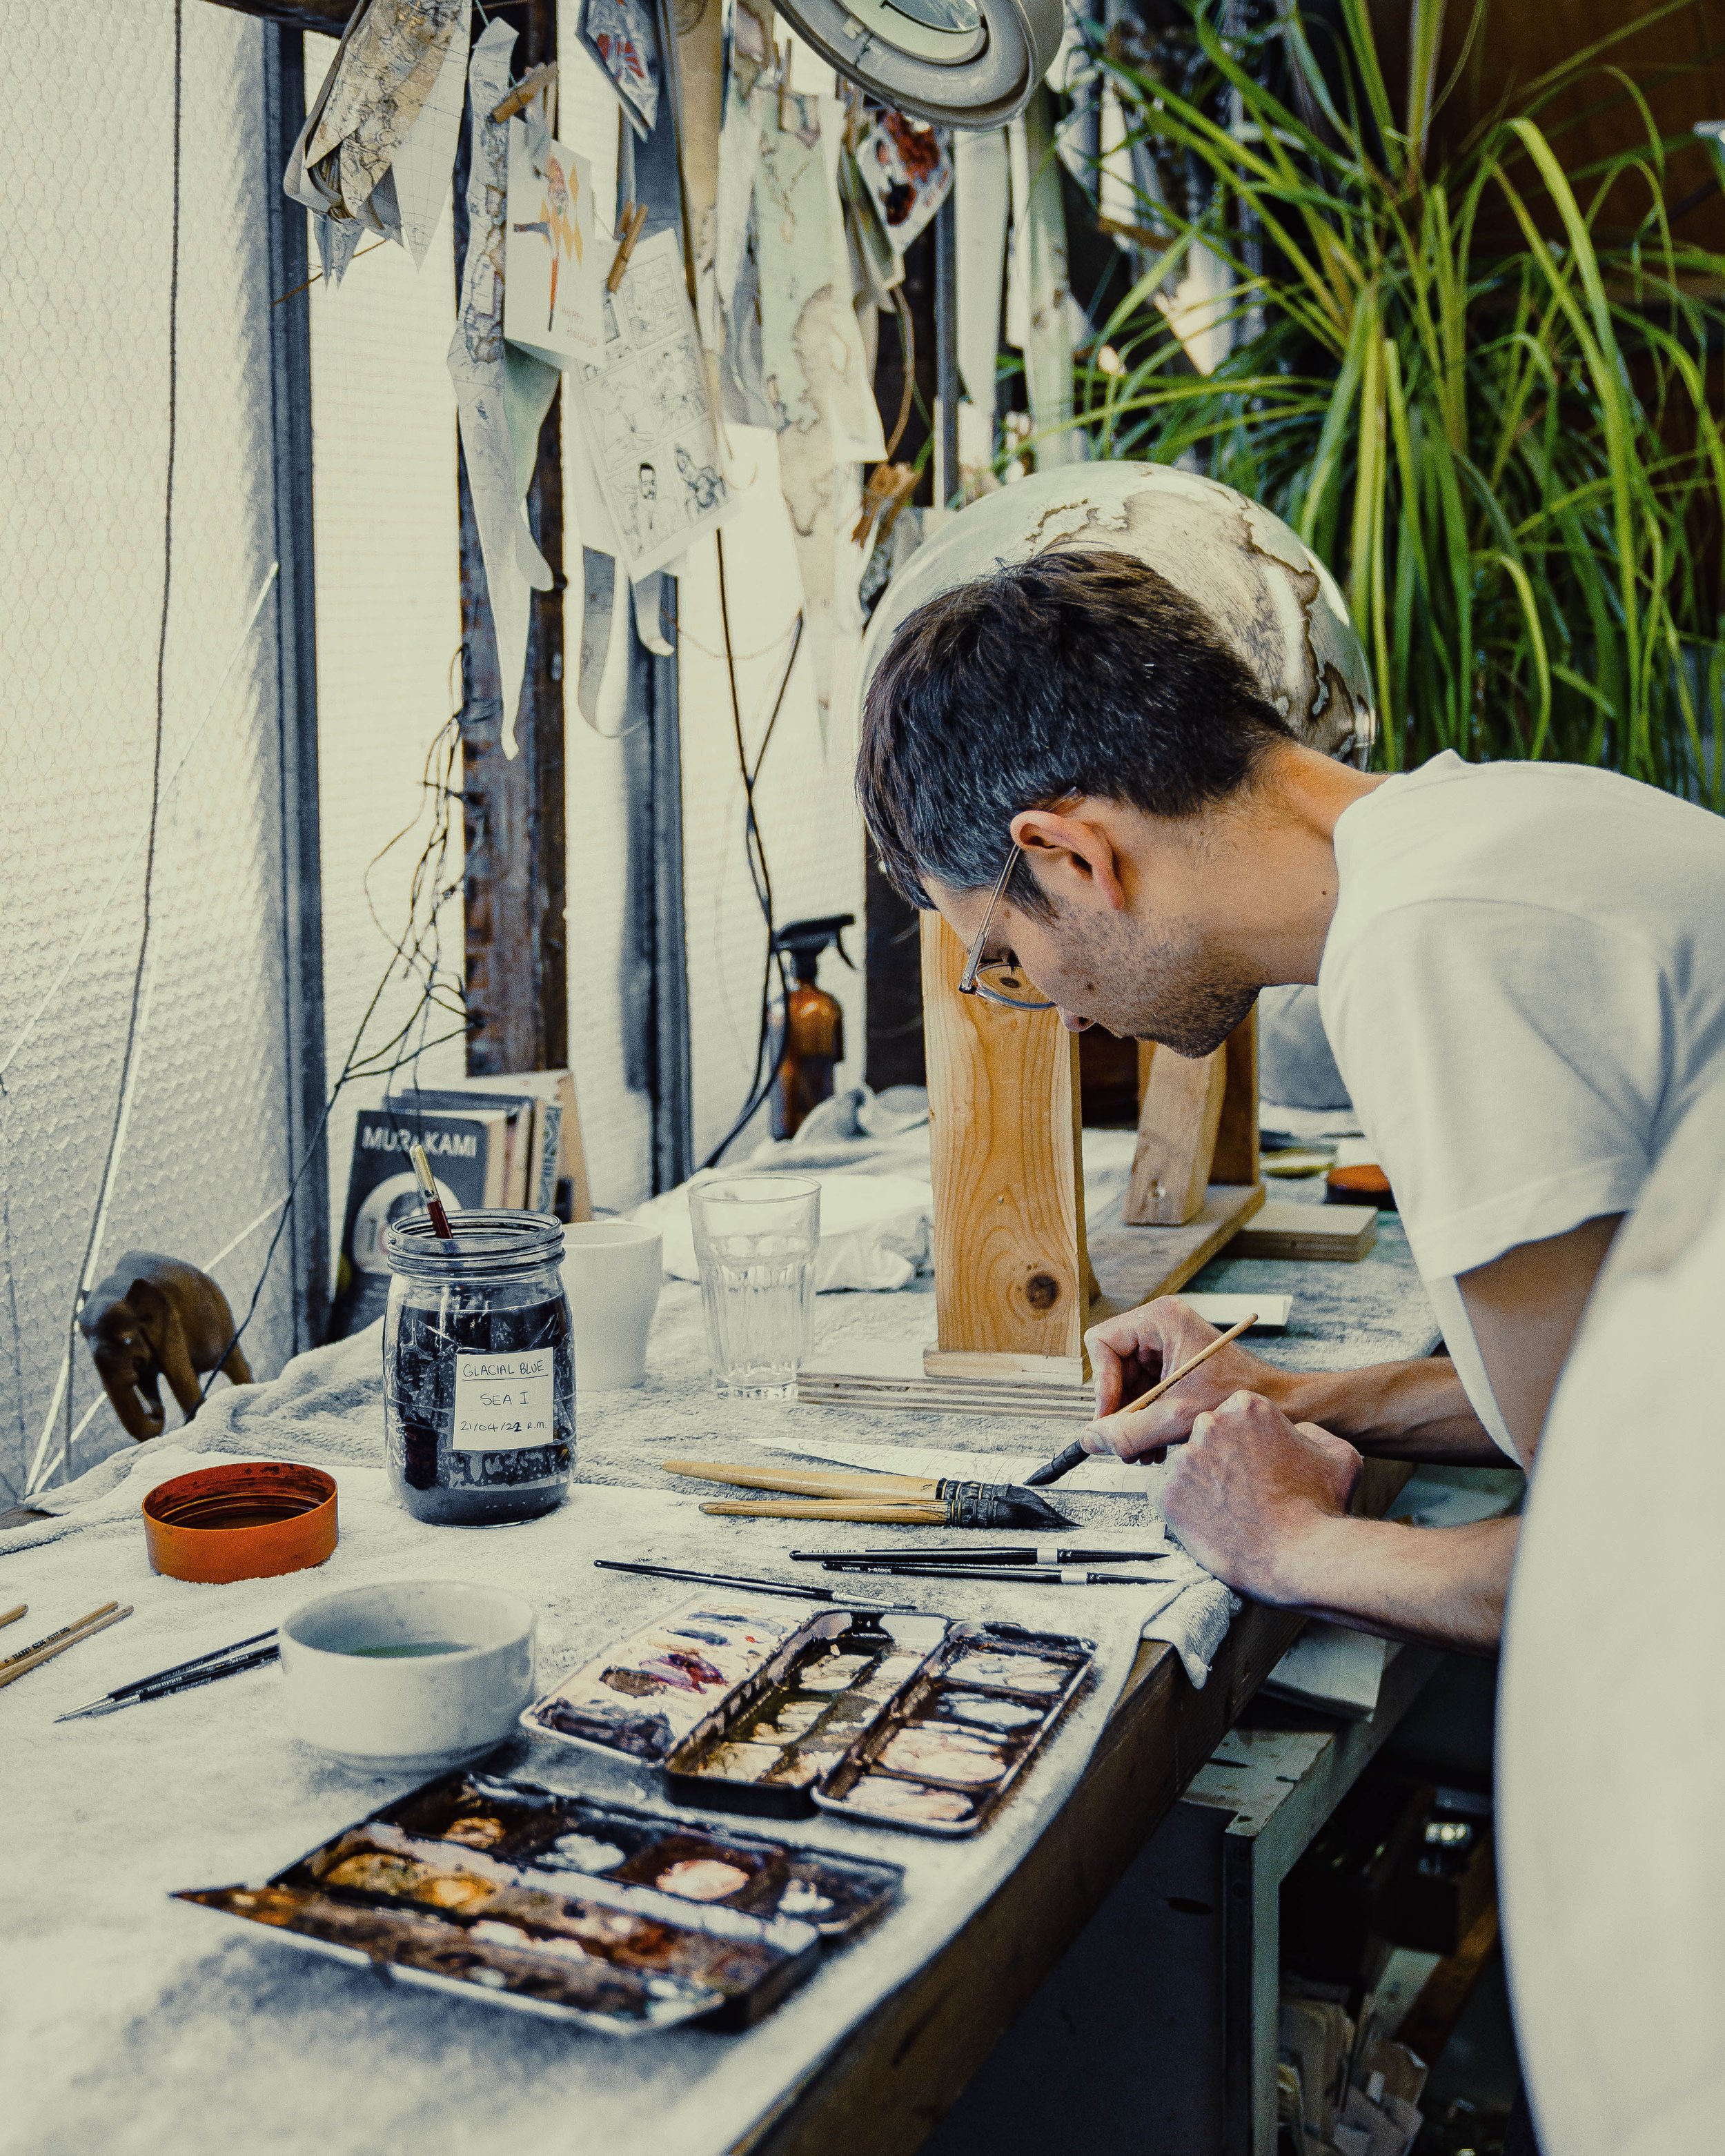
{"x":550,"y":1832}
{"x":644,"y":1695}
{"x":765,"y":1750}
{"x":962,"y":1732}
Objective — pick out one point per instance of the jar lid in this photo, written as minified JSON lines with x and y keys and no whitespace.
{"x":249,"y":1519}
{"x":485,"y":1244}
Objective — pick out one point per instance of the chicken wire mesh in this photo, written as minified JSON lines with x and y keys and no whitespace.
{"x":90,"y":274}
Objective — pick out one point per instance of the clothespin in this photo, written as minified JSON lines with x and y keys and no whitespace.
{"x":628,"y":231}
{"x":890,"y":487}
{"x":522,"y":95}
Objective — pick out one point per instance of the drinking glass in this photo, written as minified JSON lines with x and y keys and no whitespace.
{"x":755,"y":1241}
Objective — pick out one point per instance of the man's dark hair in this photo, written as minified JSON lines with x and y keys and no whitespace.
{"x":1079,"y":672}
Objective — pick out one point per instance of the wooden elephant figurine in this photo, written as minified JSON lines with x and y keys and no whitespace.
{"x":154,"y":1318}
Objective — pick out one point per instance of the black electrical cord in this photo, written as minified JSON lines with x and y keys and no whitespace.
{"x":762,"y":1082}
{"x":130,"y":1051}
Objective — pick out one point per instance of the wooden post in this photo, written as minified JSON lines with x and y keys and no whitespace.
{"x":516,"y":881}
{"x":1010,"y":1266}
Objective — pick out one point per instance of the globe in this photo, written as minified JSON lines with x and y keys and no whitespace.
{"x":1265,"y":592}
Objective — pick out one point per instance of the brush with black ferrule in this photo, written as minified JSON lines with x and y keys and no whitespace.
{"x":1017,"y":1554}
{"x":433,"y":1204}
{"x":914,"y":1501}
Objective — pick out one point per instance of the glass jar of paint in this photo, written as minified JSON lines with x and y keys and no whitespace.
{"x":478,"y":1368}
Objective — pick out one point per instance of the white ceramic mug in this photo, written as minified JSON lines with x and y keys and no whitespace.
{"x":352,"y":1694}
{"x":613,"y":1270}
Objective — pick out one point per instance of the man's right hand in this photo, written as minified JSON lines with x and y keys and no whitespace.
{"x":1131,"y":1353}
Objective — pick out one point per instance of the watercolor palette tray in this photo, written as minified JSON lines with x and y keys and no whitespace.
{"x":963,"y":1733}
{"x":619,"y":1957}
{"x":746,"y":1707}
{"x":552,"y":1830}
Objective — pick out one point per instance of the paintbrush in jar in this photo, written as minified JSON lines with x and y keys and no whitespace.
{"x":427,"y":1190}
{"x":917,"y":1501}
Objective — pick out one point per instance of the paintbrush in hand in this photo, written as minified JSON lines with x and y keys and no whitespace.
{"x":1077,"y":1452}
{"x":885,"y":1500}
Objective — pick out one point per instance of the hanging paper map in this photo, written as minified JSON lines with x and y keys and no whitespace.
{"x":649,"y":422}
{"x":554,"y":287}
{"x":620,"y":35}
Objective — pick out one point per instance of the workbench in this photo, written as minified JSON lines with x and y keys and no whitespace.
{"x":880,"y":2077}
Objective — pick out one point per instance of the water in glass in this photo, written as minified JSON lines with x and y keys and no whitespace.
{"x":755,"y":1241}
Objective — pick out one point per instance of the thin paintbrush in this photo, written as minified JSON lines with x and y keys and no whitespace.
{"x":121,"y":1693}
{"x":48,"y":1639}
{"x":11,"y":1616}
{"x":1075,"y":1454}
{"x":137,"y":1694}
{"x":1023,"y":1575}
{"x":427,"y":1190}
{"x":755,"y":1586}
{"x":1022,"y":1553}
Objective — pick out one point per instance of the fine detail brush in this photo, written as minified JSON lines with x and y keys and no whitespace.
{"x":883,"y":1499}
{"x":180,"y":1676}
{"x":427,"y":1190}
{"x":1017,"y":1553}
{"x":1021,"y":1575}
{"x":796,"y":1592}
{"x":1076,"y":1454}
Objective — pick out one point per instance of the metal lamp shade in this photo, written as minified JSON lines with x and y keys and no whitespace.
{"x":962,"y":63}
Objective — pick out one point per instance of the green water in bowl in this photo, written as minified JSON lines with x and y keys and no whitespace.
{"x":401,"y":1650}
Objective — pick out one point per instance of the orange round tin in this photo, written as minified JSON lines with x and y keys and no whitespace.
{"x":248,"y":1520}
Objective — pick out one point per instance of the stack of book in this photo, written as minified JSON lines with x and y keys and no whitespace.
{"x":513,"y":1141}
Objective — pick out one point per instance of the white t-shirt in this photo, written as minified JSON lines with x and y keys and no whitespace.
{"x":1611,"y":1718}
{"x":1524,"y":985}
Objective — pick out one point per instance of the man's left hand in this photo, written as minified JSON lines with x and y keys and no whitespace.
{"x":1248,"y":1487}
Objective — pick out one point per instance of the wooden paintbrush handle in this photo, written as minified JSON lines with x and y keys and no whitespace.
{"x":1191,"y":1362}
{"x":886,"y":1514}
{"x":804,"y":1482}
{"x":47,"y":1653}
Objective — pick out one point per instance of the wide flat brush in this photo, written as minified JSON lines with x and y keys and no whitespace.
{"x":883,"y":1500}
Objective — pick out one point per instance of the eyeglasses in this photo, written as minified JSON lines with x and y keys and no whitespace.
{"x":1003,"y":982}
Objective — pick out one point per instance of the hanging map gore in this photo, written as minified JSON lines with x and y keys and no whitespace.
{"x":815,"y":371}
{"x":621,"y":37}
{"x":376,"y":151}
{"x":650,"y":424}
{"x":501,"y":395}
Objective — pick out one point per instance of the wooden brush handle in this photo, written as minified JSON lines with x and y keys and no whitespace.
{"x":46,"y":1653}
{"x":1191,"y":1362}
{"x":884,"y":1514}
{"x":805,"y":1481}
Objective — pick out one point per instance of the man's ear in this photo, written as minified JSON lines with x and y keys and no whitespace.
{"x":1076,"y":854}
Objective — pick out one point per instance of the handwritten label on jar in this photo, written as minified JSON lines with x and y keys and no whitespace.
{"x":502,"y":1402}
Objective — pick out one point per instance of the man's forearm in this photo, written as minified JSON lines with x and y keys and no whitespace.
{"x":1440,"y":1586}
{"x":1415,"y":1410}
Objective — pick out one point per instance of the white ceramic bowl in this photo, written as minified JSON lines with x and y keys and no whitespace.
{"x":381,"y":1712}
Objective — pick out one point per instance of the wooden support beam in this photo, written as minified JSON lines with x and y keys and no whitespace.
{"x":1178,"y":1122}
{"x":515,"y":880}
{"x":1011,"y":1267}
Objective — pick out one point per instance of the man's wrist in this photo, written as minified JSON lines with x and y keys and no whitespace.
{"x":1305,"y":1563}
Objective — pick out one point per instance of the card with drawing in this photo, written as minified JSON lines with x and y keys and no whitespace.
{"x":649,"y":422}
{"x":553,"y":280}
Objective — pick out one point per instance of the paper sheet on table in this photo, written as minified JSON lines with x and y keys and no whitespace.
{"x":1100,"y":1477}
{"x":481,"y":367}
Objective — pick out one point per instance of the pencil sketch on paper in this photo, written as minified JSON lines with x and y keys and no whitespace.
{"x":648,"y":422}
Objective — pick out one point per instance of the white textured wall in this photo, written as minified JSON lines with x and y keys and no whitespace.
{"x":83,"y":357}
{"x":388,"y":634}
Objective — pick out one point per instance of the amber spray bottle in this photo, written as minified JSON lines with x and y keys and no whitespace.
{"x":812,"y":1038}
